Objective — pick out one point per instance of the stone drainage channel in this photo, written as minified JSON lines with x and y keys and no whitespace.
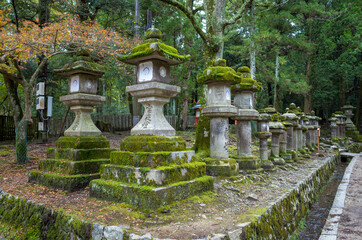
{"x":319,"y":212}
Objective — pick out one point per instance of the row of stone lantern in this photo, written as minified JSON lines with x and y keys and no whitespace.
{"x":341,"y":124}
{"x":291,"y":133}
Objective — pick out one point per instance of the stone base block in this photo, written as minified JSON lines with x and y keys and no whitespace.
{"x":149,"y":143}
{"x":288,"y":157}
{"x":78,"y":154}
{"x":151,"y":159}
{"x":60,"y":181}
{"x":70,"y":167}
{"x":247,"y":162}
{"x":146,"y":196}
{"x":160,"y":176}
{"x":82,"y":142}
{"x":221,"y":167}
{"x":267,"y":165}
{"x":277,"y":160}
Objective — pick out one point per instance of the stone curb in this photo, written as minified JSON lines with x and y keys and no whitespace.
{"x":330,"y":228}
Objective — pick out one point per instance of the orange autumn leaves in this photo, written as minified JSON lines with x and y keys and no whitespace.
{"x":61,"y":36}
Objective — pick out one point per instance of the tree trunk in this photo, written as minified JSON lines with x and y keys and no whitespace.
{"x":342,"y":93}
{"x":12,"y":89}
{"x":359,"y":108}
{"x":276,"y":99}
{"x":21,"y":151}
{"x":307,"y":96}
{"x":252,"y":44}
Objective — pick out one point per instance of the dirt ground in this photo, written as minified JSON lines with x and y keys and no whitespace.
{"x":219,"y":211}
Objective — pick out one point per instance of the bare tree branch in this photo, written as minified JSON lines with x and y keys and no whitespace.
{"x":20,"y":74}
{"x":237,"y":16}
{"x":191,"y":17}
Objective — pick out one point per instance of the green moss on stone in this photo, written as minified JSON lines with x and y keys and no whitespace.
{"x":70,"y":167}
{"x":82,"y":142}
{"x":219,"y":73}
{"x":146,"y":159}
{"x":147,"y":143}
{"x":153,"y":176}
{"x":149,"y":197}
{"x":59,"y":181}
{"x":221,"y":167}
{"x":154,"y":46}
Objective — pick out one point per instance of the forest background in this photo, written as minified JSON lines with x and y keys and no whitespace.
{"x":303,"y":51}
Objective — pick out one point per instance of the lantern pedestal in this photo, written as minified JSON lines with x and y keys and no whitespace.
{"x":82,"y":105}
{"x":73,"y":163}
{"x":153,"y":96}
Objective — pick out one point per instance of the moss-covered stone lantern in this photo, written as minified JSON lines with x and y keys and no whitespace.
{"x":153,"y":59}
{"x":243,"y":100}
{"x":277,"y":129}
{"x":340,"y":123}
{"x":333,"y":125}
{"x":153,"y":167}
{"x":218,"y":79}
{"x":351,"y":130}
{"x":77,"y":157}
{"x":83,"y":75}
{"x":290,"y":121}
{"x":263,"y":134}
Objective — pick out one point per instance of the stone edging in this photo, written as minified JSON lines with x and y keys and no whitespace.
{"x":278,"y":222}
{"x":330,"y":228}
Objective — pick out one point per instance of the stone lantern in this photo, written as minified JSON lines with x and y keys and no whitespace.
{"x":77,"y":157}
{"x":152,"y":86}
{"x":263,"y":134}
{"x":153,"y":167}
{"x":83,"y":76}
{"x":314,"y":129}
{"x":333,"y":125}
{"x":304,"y":120}
{"x":351,"y":130}
{"x":299,"y":128}
{"x":243,"y":100}
{"x":340,"y":123}
{"x":290,"y":121}
{"x":218,"y":79}
{"x":277,"y":129}
{"x":309,"y":128}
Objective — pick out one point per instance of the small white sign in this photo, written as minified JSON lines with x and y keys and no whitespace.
{"x":145,"y":72}
{"x":74,"y":84}
{"x":163,"y":71}
{"x":228,"y":97}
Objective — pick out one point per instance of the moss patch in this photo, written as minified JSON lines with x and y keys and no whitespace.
{"x":221,"y":167}
{"x":154,"y":177}
{"x":82,"y":142}
{"x":72,"y":168}
{"x":147,"y":143}
{"x":147,"y":159}
{"x":149,"y":197}
{"x":60,"y":181}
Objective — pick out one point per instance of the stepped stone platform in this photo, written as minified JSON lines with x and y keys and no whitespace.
{"x":73,"y":163}
{"x":150,"y":172}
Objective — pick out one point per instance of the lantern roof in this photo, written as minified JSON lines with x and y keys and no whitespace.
{"x":246,"y":82}
{"x":82,"y":64}
{"x":218,"y":72}
{"x":153,"y":48}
